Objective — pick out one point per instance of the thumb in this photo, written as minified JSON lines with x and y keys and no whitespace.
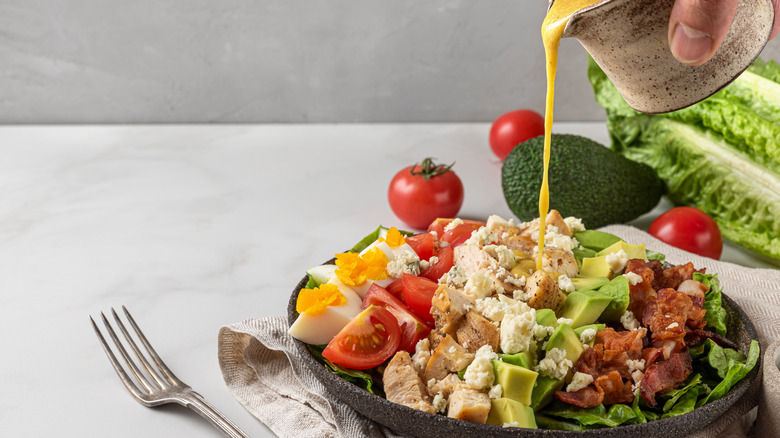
{"x":697,"y":27}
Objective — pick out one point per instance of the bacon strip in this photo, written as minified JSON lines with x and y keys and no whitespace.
{"x":698,"y":336}
{"x":674,"y":276}
{"x":665,"y":375}
{"x":615,"y":391}
{"x":587,"y":397}
{"x":643,"y":292}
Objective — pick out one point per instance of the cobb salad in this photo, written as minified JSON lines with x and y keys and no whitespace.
{"x":458,"y":321}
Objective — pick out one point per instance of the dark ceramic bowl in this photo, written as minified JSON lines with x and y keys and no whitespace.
{"x":416,"y":423}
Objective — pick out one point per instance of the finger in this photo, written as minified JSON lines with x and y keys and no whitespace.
{"x":776,"y":27}
{"x":697,"y":27}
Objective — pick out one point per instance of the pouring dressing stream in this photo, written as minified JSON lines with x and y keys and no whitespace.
{"x":552,"y":31}
{"x":628,"y":39}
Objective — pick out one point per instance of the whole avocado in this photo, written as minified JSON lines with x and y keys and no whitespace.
{"x":586,"y":179}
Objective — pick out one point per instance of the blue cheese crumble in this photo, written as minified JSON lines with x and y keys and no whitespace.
{"x":579,"y":381}
{"x":554,"y":364}
{"x":479,"y":374}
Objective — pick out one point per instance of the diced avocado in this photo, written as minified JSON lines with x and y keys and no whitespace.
{"x":633,"y":251}
{"x":581,"y":253}
{"x":546,"y":317}
{"x":565,"y":339}
{"x":596,"y":240}
{"x":584,"y":307}
{"x":618,"y":289}
{"x":507,"y":411}
{"x":544,"y":390}
{"x":587,"y":283}
{"x":516,"y":382}
{"x":595,"y":267}
{"x":578,"y":331}
{"x":523,"y":359}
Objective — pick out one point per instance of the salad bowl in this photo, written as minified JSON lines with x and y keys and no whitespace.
{"x":411,"y":422}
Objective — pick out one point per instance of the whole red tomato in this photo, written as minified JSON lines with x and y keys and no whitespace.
{"x":690,"y":229}
{"x":513,"y":128}
{"x":421,"y":193}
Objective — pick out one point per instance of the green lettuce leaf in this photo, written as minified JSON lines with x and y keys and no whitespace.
{"x":721,"y":155}
{"x":686,"y":402}
{"x":675,"y":395}
{"x":312,"y":282}
{"x":720,"y":358}
{"x":640,"y":415}
{"x":359,"y":378}
{"x":545,"y":422}
{"x":652,"y":255}
{"x":736,"y":372}
{"x":716,"y":316}
{"x":595,"y":417}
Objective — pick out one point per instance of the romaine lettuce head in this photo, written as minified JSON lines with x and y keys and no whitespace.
{"x":721,"y":155}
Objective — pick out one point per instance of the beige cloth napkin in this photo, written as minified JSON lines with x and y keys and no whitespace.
{"x":262,"y":369}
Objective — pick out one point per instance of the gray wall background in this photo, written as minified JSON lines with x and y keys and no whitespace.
{"x":179,"y":61}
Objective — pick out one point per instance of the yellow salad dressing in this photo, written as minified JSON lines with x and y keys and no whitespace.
{"x":552,"y":31}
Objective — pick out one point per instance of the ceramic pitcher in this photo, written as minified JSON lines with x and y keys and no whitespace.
{"x":628,"y":39}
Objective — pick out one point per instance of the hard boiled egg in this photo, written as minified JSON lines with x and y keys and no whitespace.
{"x":322,"y":322}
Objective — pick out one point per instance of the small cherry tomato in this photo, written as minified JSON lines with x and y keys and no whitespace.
{"x":419,"y":194}
{"x":690,"y":229}
{"x":412,"y":327}
{"x":366,"y":341}
{"x":461,"y":233}
{"x":513,"y":128}
{"x":442,"y":266}
{"x":422,"y":244}
{"x":418,"y":294}
{"x":440,"y":224}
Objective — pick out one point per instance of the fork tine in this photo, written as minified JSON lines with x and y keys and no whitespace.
{"x":160,"y":364}
{"x":115,"y":363}
{"x":133,"y":367}
{"x":150,"y":371}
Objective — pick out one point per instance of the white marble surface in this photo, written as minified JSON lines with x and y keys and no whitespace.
{"x":190,"y":227}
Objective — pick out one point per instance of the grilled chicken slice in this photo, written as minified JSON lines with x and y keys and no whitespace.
{"x":404,"y":386}
{"x":541,"y":292}
{"x":473,"y":259}
{"x":446,"y":386}
{"x":449,"y":306}
{"x":447,"y":357}
{"x":553,"y":218}
{"x":558,"y":260}
{"x":476,"y":331}
{"x":469,"y":404}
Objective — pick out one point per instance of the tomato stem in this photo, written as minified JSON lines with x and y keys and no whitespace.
{"x":429,"y":169}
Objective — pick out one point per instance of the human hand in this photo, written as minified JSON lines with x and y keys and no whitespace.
{"x":697,"y":27}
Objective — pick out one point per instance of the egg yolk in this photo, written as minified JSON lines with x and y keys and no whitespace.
{"x":316,"y":301}
{"x":394,"y":238}
{"x":354,"y":269}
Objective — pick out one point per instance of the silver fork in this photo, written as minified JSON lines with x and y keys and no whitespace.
{"x":158,"y":386}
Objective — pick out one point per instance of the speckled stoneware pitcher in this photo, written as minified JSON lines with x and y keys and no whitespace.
{"x":628,"y":39}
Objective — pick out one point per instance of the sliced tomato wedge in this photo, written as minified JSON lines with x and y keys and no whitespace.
{"x":441,"y":267}
{"x":418,"y":294}
{"x":439,"y":224}
{"x":412,"y":327}
{"x":395,"y":288}
{"x":366,"y":341}
{"x":459,"y":234}
{"x":422,"y":244}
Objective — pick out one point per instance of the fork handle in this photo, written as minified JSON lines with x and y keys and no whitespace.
{"x":197,"y":403}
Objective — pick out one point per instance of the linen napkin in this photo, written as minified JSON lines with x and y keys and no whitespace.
{"x":262,"y":369}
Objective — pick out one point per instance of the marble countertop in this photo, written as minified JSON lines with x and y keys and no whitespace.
{"x":192,"y":228}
